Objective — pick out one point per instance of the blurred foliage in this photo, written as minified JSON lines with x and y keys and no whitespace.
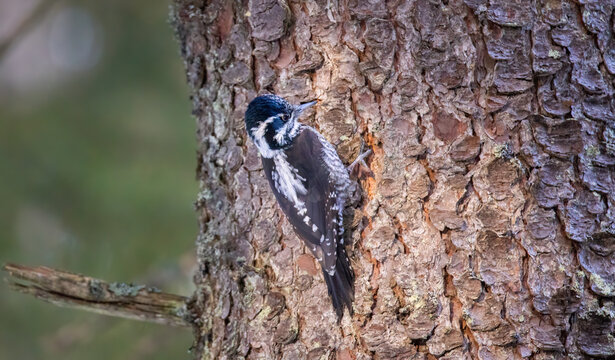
{"x":97,"y":177}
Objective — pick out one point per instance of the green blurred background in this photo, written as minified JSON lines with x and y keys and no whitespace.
{"x":96,"y":171}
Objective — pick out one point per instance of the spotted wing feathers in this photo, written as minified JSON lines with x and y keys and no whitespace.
{"x":313,"y":201}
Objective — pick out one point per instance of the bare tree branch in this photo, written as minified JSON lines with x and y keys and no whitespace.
{"x":123,"y":300}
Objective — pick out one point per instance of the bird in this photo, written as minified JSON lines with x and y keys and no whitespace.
{"x":311,"y":186}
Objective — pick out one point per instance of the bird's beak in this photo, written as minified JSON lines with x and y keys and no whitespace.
{"x":299,"y":108}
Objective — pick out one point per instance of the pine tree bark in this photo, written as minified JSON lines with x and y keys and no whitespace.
{"x":487,"y":231}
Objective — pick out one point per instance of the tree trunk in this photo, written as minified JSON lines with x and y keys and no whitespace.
{"x":487,"y":231}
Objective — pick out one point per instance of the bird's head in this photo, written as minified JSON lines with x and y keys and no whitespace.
{"x":271,"y":122}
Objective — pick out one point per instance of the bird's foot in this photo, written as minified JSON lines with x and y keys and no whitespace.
{"x":362,"y":170}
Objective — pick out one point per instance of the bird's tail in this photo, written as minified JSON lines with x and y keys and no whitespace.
{"x":341,"y":284}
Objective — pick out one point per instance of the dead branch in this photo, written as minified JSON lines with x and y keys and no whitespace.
{"x":66,"y":289}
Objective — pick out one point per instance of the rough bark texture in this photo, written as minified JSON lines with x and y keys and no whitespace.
{"x":488,"y":229}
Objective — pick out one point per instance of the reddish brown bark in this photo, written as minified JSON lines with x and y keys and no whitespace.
{"x":488,"y":229}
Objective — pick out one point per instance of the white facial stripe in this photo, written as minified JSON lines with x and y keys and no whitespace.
{"x":258,"y":135}
{"x":260,"y":130}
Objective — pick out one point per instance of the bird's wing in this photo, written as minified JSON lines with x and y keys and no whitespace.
{"x":318,"y":220}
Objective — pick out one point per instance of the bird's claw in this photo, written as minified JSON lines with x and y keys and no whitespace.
{"x":360,"y":160}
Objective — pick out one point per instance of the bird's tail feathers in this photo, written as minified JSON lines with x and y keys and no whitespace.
{"x":341,"y":284}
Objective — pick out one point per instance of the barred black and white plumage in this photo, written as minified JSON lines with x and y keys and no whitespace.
{"x":311,"y":185}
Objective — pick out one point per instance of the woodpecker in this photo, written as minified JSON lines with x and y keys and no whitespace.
{"x":310,"y":184}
